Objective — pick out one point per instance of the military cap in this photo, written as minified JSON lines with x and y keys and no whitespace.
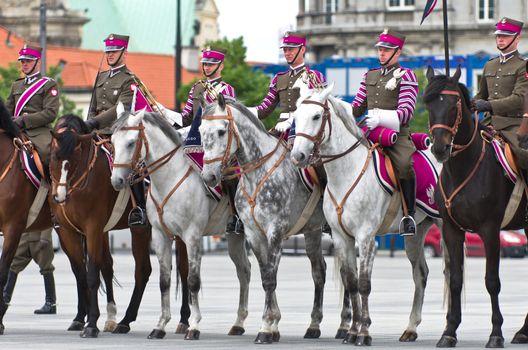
{"x":390,"y":39}
{"x":28,"y":52}
{"x":116,"y":42}
{"x":293,"y":39}
{"x":213,"y":55}
{"x":508,"y":26}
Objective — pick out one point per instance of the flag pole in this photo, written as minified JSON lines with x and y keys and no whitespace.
{"x":446,"y":37}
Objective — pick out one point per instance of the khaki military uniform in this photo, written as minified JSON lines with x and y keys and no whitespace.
{"x":36,"y":246}
{"x":111,"y":87}
{"x":504,"y":86}
{"x":38,"y":114}
{"x":379,"y":97}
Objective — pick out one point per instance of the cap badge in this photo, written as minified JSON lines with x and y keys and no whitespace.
{"x":286,"y":34}
{"x":385,"y":31}
{"x":503,"y":20}
{"x":208,"y":48}
{"x":111,"y":37}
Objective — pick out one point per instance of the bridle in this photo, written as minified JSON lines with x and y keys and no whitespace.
{"x":454,"y":128}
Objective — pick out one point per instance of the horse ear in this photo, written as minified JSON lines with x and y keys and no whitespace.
{"x":54,"y":134}
{"x":327,"y":91}
{"x":221,"y":101}
{"x":457,"y":74}
{"x":120,"y":109}
{"x":430,"y":73}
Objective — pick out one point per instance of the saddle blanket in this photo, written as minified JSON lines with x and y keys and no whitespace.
{"x":30,"y":168}
{"x":426,"y":180}
{"x":503,"y":161}
{"x":196,"y":159}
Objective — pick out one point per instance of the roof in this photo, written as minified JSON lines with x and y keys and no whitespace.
{"x":151,"y":28}
{"x":155,"y":70}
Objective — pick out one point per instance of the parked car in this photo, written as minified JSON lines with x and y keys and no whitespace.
{"x":512,"y":243}
{"x":296,"y":245}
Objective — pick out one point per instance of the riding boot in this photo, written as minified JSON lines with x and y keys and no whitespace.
{"x":234,"y":224}
{"x":50,"y":306}
{"x":407,"y":224}
{"x":9,"y":286}
{"x":138,"y":215}
{"x":525,"y":177}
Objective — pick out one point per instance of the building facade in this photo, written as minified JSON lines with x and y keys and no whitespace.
{"x":348,"y":28}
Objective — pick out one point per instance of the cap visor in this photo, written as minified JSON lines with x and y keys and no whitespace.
{"x":386,"y":45}
{"x":504,"y":32}
{"x":113,"y":48}
{"x":24,"y":57}
{"x":290,"y":45}
{"x":210,"y":60}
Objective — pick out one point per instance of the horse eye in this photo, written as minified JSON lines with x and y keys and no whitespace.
{"x":316,"y":117}
{"x":130,"y":144}
{"x":221,"y":133}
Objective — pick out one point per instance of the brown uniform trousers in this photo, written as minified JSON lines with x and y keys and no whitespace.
{"x":35,"y":246}
{"x":504,"y":86}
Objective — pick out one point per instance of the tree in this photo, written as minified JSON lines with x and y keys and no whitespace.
{"x":251,"y":86}
{"x":12,"y":72}
{"x":420,"y":121}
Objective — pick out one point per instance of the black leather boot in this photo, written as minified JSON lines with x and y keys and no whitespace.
{"x":138,"y":215}
{"x":50,"y":306}
{"x":9,"y":286}
{"x":234,"y":224}
{"x":407,"y":224}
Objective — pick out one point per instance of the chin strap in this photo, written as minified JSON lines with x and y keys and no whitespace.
{"x":296,"y":55}
{"x":32,"y":69}
{"x":213,"y":73}
{"x":390,"y":58}
{"x":117,"y":61}
{"x":507,"y":46}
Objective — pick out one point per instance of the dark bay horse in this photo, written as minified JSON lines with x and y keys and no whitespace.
{"x":83,"y":201}
{"x":16,"y":197}
{"x":472,"y":195}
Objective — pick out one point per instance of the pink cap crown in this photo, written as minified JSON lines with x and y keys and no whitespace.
{"x":293,"y":39}
{"x":212,"y":55}
{"x":387,"y":38}
{"x":508,"y":26}
{"x":29,"y":52}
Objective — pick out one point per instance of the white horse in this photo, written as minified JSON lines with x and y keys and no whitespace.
{"x":270,"y":199}
{"x":178,"y":204}
{"x":355,"y":205}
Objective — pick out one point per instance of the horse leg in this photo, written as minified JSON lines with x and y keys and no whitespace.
{"x":142,"y":271}
{"x":454,"y":242}
{"x":366,"y":261}
{"x":162,"y":247}
{"x":182,"y":275}
{"x":195,"y":260}
{"x":72,"y":243}
{"x":415,"y":253}
{"x":107,"y":272}
{"x":491,"y":238}
{"x":236,"y":245}
{"x":318,"y":264}
{"x":521,"y":337}
{"x":12,"y":236}
{"x":346,"y":314}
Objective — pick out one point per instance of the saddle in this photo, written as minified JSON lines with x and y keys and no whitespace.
{"x":30,"y":160}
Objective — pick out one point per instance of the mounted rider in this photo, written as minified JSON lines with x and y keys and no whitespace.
{"x":34,"y":104}
{"x":389,"y":93}
{"x":502,"y":88}
{"x":112,"y":86}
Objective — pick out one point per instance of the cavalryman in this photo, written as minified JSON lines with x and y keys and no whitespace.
{"x":113,"y":86}
{"x":34,"y":104}
{"x":281,"y":92}
{"x":503,"y":86}
{"x":389,"y":93}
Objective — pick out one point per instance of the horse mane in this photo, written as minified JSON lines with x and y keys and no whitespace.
{"x":153,"y":118}
{"x":242,"y":109}
{"x":438,"y":83}
{"x":6,"y":121}
{"x":347,"y":119}
{"x":67,"y":139}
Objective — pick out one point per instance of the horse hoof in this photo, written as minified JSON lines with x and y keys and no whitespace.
{"x":350,"y":338}
{"x":275,"y":336}
{"x":312,"y":333}
{"x":495,"y":341}
{"x":182,"y":328}
{"x":192,"y":334}
{"x":363,"y":340}
{"x":156,"y":334}
{"x":264,"y":338}
{"x":518,"y":338}
{"x":76,"y":326}
{"x":236,"y":330}
{"x":89,"y":332}
{"x":408,"y":336}
{"x":446,"y":342}
{"x":341,"y":333}
{"x":109,"y":326}
{"x":121,"y":329}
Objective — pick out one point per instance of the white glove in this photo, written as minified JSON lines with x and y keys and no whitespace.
{"x":284,"y":125}
{"x":389,"y":119}
{"x":172,"y":116}
{"x":372,"y":120}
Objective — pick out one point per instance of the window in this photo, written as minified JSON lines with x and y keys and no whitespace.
{"x":400,"y":4}
{"x":331,"y":7}
{"x":485,"y":10}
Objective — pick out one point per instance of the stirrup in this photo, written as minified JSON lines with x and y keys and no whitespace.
{"x":137,"y":217}
{"x":409,"y":230}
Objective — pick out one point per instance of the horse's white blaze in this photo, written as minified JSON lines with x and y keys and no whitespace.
{"x":61,"y":188}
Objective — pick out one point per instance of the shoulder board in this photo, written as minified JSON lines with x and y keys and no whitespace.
{"x":20,"y":79}
{"x":282,"y":73}
{"x":494,"y":58}
{"x":373,"y":69}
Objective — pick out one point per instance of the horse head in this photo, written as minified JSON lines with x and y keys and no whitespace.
{"x":447,"y":102}
{"x":70,"y":138}
{"x":312,"y":117}
{"x":220,"y":139}
{"x":130,"y":146}
{"x":6,"y":121}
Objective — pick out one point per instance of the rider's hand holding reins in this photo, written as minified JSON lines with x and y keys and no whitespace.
{"x":480,"y":106}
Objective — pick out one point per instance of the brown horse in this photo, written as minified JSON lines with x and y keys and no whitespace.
{"x":16,"y":196}
{"x":83,"y":201}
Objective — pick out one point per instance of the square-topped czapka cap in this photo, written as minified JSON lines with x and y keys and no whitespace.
{"x":293,"y":39}
{"x":390,"y":39}
{"x":508,"y":26}
{"x":116,"y":42}
{"x":29,"y":52}
{"x":213,"y":55}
